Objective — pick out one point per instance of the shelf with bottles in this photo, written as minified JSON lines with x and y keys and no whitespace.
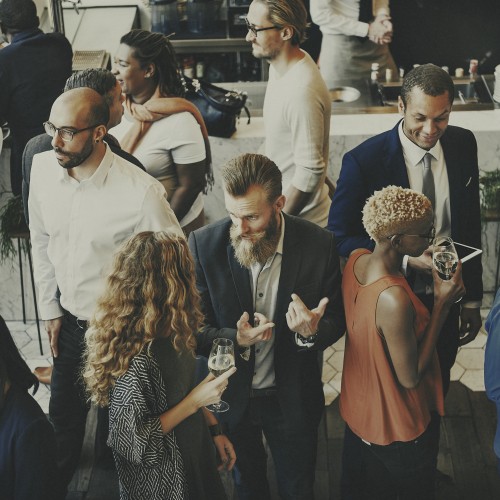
{"x":221,"y":67}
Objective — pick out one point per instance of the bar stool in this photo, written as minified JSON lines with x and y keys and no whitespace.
{"x":23,"y":240}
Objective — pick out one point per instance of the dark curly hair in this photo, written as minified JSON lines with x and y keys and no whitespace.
{"x":155,"y":48}
{"x":18,"y":15}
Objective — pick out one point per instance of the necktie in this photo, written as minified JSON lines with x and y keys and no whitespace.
{"x":428,"y":181}
{"x":365,"y":11}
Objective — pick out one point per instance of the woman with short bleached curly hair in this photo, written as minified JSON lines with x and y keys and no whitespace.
{"x":392,"y":394}
{"x":140,"y":360}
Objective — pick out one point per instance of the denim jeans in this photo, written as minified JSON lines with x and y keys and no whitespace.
{"x":398,"y":471}
{"x":293,"y":452}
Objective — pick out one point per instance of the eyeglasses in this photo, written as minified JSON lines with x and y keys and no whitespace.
{"x":429,"y":236}
{"x":255,"y":30}
{"x":66,"y":134}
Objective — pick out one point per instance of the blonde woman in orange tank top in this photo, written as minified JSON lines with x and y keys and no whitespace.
{"x":391,"y":394}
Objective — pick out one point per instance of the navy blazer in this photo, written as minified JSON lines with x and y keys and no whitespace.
{"x":310,"y":268}
{"x":379,"y":162}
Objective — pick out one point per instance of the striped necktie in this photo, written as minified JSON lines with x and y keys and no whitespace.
{"x":428,"y":187}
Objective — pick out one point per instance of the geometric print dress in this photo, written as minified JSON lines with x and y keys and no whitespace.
{"x":151,"y":465}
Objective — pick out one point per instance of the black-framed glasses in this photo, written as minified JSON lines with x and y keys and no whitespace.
{"x":66,"y":134}
{"x":255,"y":30}
{"x":428,"y":236}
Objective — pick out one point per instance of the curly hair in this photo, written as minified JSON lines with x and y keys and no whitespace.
{"x":155,"y":48}
{"x":150,"y":293}
{"x":429,"y":78}
{"x":392,"y":209}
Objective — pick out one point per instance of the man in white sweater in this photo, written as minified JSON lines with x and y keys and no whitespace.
{"x":297,"y":106}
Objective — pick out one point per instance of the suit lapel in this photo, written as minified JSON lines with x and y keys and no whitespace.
{"x":241,"y":280}
{"x":452,"y":160}
{"x":395,"y":162}
{"x":290,"y":264}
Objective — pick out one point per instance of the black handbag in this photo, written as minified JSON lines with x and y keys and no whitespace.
{"x":219,"y":107}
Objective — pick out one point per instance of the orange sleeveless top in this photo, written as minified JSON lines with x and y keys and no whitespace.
{"x":374,"y":404}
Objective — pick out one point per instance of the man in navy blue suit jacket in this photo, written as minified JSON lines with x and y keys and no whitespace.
{"x":395,"y":157}
{"x":271,"y":283}
{"x":33,"y":69}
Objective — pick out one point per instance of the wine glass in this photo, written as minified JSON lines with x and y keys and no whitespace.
{"x":221,"y":359}
{"x":444,"y":257}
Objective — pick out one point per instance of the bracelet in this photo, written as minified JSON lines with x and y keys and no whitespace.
{"x":215,"y":430}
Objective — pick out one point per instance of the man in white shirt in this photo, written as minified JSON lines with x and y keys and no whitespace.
{"x":297,"y":106}
{"x":84,"y":202}
{"x":356,"y":33}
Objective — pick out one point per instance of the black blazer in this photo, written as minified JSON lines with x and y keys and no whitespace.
{"x":42,"y":143}
{"x":310,"y":268}
{"x":379,"y":162}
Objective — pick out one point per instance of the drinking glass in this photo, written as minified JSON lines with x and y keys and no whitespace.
{"x":444,"y":257}
{"x":221,"y":359}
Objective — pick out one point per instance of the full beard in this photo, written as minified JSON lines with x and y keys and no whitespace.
{"x":75,"y":159}
{"x":249,"y":253}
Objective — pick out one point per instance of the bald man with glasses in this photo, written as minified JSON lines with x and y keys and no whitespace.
{"x":84,"y":202}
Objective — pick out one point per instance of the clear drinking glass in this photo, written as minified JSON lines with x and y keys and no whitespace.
{"x":221,"y":360}
{"x":444,"y":257}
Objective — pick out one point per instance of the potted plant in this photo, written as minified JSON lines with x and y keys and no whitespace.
{"x":12,"y":225}
{"x":489,"y":185}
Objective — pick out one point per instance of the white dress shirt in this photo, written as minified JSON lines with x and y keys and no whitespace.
{"x":414,"y":160}
{"x":340,"y":17}
{"x":76,"y":227}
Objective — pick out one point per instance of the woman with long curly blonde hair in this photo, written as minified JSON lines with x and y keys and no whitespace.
{"x":140,"y":360}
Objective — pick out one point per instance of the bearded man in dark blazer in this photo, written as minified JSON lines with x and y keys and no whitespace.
{"x":397,"y":157}
{"x":271,"y":283}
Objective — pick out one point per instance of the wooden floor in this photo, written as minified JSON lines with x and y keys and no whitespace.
{"x":466,"y":455}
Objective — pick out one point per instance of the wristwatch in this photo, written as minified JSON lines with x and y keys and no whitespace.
{"x":215,"y":430}
{"x":307,"y":340}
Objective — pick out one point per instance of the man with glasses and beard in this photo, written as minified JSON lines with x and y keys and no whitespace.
{"x":84,"y":202}
{"x":271,"y":283}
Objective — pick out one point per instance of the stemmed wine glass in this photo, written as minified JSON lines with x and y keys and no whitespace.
{"x":444,"y":257}
{"x":221,"y":359}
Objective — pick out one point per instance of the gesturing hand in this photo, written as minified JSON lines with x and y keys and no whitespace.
{"x":302,"y":320}
{"x":248,"y":335}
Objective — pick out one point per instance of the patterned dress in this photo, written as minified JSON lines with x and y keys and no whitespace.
{"x":152,"y":465}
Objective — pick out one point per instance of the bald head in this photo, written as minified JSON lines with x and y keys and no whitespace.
{"x":80,"y":108}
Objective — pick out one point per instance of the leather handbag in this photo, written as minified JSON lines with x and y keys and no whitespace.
{"x":219,"y":107}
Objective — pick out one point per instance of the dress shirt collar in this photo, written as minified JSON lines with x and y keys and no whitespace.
{"x":99,"y":176}
{"x":413,"y":153}
{"x":257,"y":267}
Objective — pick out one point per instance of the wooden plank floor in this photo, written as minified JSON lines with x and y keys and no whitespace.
{"x":466,"y":455}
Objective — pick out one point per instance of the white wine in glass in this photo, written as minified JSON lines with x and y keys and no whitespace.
{"x":444,"y":257}
{"x":221,"y":360}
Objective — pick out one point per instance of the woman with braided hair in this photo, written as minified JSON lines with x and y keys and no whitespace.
{"x":161,"y":128}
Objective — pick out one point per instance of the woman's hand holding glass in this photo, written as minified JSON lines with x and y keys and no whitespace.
{"x":449,"y":290}
{"x":209,"y":391}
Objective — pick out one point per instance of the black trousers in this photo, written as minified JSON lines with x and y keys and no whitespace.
{"x":398,"y":471}
{"x":68,"y":407}
{"x":293,"y":451}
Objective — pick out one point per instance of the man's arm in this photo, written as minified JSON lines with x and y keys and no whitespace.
{"x":44,"y":272}
{"x":306,"y":119}
{"x":209,"y":332}
{"x":345,"y":218}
